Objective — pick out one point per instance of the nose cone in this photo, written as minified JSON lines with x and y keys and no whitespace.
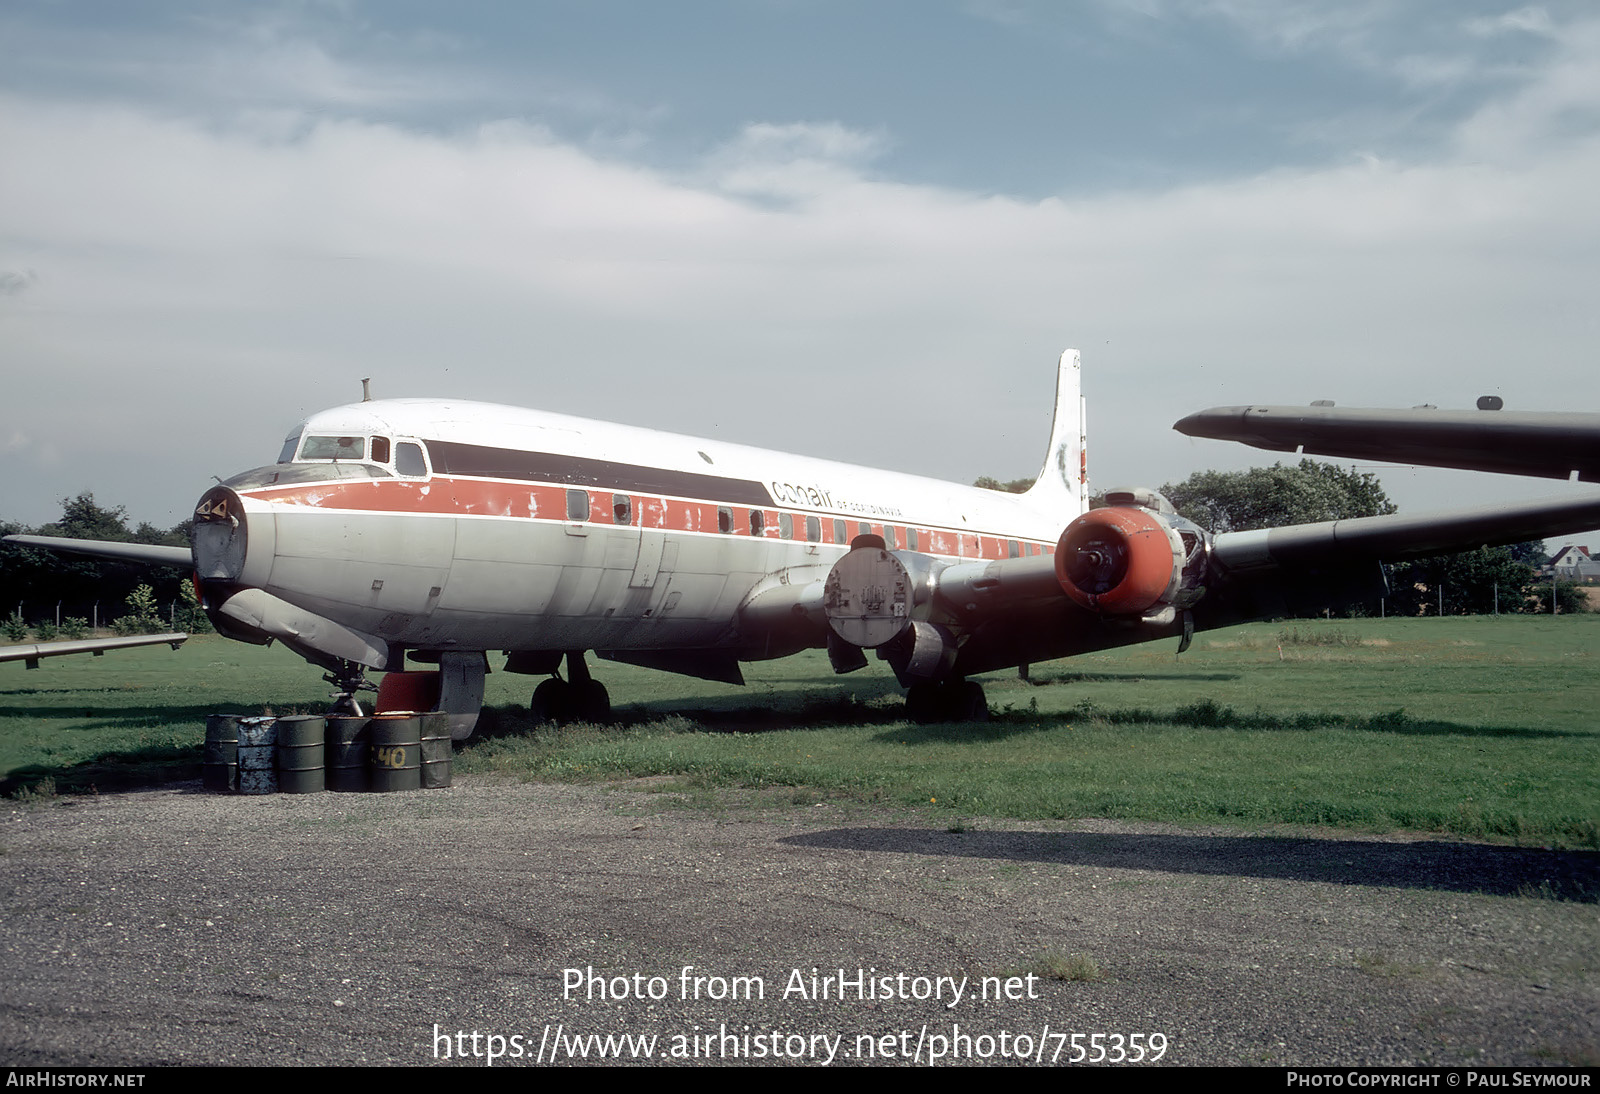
{"x":220,"y":537}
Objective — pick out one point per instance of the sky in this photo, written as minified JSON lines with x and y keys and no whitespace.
{"x":861,"y":231}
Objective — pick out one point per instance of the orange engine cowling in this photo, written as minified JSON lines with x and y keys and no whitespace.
{"x":1119,"y":560}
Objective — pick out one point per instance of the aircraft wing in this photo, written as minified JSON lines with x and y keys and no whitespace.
{"x":149,"y":554}
{"x":1550,"y":445}
{"x":1128,"y":574}
{"x":1402,"y":536}
{"x":31,"y":653}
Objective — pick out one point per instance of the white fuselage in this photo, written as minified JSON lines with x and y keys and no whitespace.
{"x":530,"y":530}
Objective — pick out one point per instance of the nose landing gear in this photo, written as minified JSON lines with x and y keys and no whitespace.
{"x":350,"y":679}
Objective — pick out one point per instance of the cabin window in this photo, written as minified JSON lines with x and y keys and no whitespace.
{"x":758,"y":522}
{"x":814,"y":529}
{"x":1013,"y":549}
{"x":380,"y":450}
{"x":839,"y":531}
{"x":724,"y":520}
{"x":911,"y":540}
{"x":863,"y":528}
{"x":334,"y":448}
{"x":290,"y":443}
{"x":621,"y":509}
{"x":785,"y":526}
{"x":408,"y":459}
{"x":889,"y":537}
{"x":577,"y":505}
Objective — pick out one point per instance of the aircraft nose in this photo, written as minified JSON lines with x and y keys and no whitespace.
{"x":220,"y":537}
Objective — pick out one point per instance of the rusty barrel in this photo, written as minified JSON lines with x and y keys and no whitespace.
{"x":345,"y":752}
{"x":300,"y":753}
{"x":219,"y":771}
{"x":437,"y":750}
{"x":394,"y":753}
{"x":257,"y":740}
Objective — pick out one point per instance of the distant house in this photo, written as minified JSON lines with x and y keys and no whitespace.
{"x":1575,"y":563}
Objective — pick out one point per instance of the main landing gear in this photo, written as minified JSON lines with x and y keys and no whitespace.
{"x":947,"y":701}
{"x":578,"y":698}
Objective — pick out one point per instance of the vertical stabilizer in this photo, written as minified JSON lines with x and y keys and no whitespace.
{"x":1063,"y":484}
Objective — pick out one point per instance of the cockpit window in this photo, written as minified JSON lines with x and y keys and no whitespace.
{"x":290,"y":443}
{"x":408,"y":459}
{"x":334,"y":448}
{"x":380,"y":450}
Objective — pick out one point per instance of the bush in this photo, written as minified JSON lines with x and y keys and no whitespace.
{"x":141,"y":617}
{"x":44,"y":632}
{"x":75,"y":627}
{"x":15,"y":629}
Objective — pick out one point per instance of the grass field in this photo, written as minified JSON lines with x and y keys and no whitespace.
{"x":1478,"y":727}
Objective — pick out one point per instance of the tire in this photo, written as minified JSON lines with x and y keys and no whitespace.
{"x":552,"y":702}
{"x":923,"y":704}
{"x":589,"y":702}
{"x":966,"y":701}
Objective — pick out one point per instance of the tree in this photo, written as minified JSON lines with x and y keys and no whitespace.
{"x":1470,"y":583}
{"x":1267,"y":497}
{"x":141,"y":617}
{"x":1015,"y":486}
{"x":42,"y":580}
{"x":81,"y":518}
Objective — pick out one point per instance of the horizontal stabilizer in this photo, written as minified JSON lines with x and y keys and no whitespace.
{"x":149,"y":554}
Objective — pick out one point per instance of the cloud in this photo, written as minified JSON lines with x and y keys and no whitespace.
{"x":268,"y":261}
{"x":16,"y":282}
{"x":1558,"y":102}
{"x":1528,"y":20}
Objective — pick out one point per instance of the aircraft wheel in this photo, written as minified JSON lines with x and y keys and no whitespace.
{"x":552,"y":702}
{"x":590,"y":703}
{"x":966,"y":702}
{"x":923,"y":704}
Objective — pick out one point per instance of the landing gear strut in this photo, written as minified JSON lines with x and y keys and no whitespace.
{"x":578,"y":698}
{"x":947,"y":701}
{"x":348,"y":677}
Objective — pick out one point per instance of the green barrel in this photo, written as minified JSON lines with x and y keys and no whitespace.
{"x":394,"y":756}
{"x":257,"y":741}
{"x":219,"y":773}
{"x":437,"y":750}
{"x":345,"y":752}
{"x":300,"y":752}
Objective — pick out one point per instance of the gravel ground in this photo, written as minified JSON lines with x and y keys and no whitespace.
{"x":172,"y":926}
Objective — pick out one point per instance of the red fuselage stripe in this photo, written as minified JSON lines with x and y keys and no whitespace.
{"x":451,"y":496}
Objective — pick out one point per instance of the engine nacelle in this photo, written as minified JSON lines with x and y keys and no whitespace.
{"x":872,"y":594}
{"x":1120,"y":560}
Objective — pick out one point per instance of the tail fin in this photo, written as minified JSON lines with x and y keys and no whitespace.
{"x":1063,"y":483}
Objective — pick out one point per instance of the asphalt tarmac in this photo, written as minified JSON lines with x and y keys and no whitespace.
{"x":541,"y":923}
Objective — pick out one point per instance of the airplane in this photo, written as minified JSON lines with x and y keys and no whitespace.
{"x":1555,"y":445}
{"x":444,"y":530}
